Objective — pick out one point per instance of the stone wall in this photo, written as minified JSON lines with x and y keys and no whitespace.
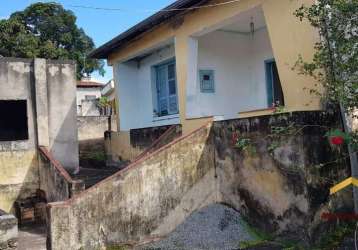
{"x":48,"y":87}
{"x":8,"y":231}
{"x":150,"y":197}
{"x":276,"y":181}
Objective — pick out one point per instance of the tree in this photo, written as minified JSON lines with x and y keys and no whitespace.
{"x":48,"y":31}
{"x":335,"y":62}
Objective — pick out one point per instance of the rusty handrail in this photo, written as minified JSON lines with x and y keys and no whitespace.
{"x":44,"y":151}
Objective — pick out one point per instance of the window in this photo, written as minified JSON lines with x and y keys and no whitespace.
{"x":207,"y":81}
{"x":274,"y":90}
{"x":13,"y":120}
{"x":165,"y":76}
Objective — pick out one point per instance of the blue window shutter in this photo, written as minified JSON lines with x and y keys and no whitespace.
{"x":269,"y":81}
{"x":207,"y":81}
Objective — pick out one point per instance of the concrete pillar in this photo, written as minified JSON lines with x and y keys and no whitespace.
{"x":185,"y":52}
{"x":191,"y":81}
{"x":41,"y":102}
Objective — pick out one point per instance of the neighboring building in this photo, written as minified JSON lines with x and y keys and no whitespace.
{"x":88,"y":92}
{"x":190,"y":67}
{"x":109,"y":93}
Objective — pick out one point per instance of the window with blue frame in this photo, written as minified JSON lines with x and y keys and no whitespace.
{"x":273,"y":85}
{"x":166,"y":87}
{"x":207,"y":81}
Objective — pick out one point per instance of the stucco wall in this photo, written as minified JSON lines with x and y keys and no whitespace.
{"x":18,"y":159}
{"x":129,"y":145}
{"x":137,"y":93}
{"x":152,"y":197}
{"x":280,"y":190}
{"x":49,"y":89}
{"x":238,"y":61}
{"x":62,"y":112}
{"x":91,"y":130}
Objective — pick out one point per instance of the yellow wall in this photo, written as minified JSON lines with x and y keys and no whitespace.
{"x":119,"y":146}
{"x":289,"y":38}
{"x":19,"y":177}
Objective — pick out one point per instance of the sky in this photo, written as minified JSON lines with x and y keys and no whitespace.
{"x":100,"y":25}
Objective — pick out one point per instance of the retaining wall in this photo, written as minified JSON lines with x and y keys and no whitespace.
{"x":275,"y":181}
{"x":150,"y":197}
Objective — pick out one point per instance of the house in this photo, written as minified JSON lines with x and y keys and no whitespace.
{"x":88,"y":92}
{"x":192,"y":65}
{"x":210,"y":71}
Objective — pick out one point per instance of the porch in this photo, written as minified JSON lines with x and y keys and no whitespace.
{"x":230,"y":69}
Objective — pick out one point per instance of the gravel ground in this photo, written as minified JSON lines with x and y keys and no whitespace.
{"x":213,"y":227}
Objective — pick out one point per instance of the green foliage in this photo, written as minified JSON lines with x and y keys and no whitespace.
{"x":98,"y":156}
{"x":335,"y":62}
{"x":334,"y":238}
{"x":279,"y":109}
{"x":48,"y":31}
{"x":103,"y":101}
{"x":245,"y":144}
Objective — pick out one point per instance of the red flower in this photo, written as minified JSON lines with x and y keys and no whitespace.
{"x":337,"y":140}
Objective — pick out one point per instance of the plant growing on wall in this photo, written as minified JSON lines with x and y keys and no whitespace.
{"x":243,"y":144}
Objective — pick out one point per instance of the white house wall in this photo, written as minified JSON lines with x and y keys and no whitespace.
{"x":239,"y":72}
{"x":136,"y":94}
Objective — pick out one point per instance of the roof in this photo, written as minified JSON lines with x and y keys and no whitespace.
{"x":124,"y":38}
{"x":89,"y":84}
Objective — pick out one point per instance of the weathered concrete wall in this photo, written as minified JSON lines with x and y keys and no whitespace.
{"x":280,"y":185}
{"x":90,"y":108}
{"x":150,"y":198}
{"x":128,"y":146}
{"x":54,"y":179}
{"x":92,"y":127}
{"x":18,"y":159}
{"x":61,"y":79}
{"x":91,"y":131}
{"x":49,"y":89}
{"x":8,"y":231}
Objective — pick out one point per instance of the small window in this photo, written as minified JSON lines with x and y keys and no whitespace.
{"x":207,"y":81}
{"x":13,"y":120}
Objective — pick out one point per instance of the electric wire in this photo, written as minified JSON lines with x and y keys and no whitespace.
{"x":148,"y":10}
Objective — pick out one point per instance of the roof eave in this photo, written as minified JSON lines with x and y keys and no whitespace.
{"x":103,"y":51}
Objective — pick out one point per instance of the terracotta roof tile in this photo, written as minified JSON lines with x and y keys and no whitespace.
{"x":89,"y":84}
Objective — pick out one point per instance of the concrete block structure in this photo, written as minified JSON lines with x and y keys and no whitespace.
{"x":37,"y":108}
